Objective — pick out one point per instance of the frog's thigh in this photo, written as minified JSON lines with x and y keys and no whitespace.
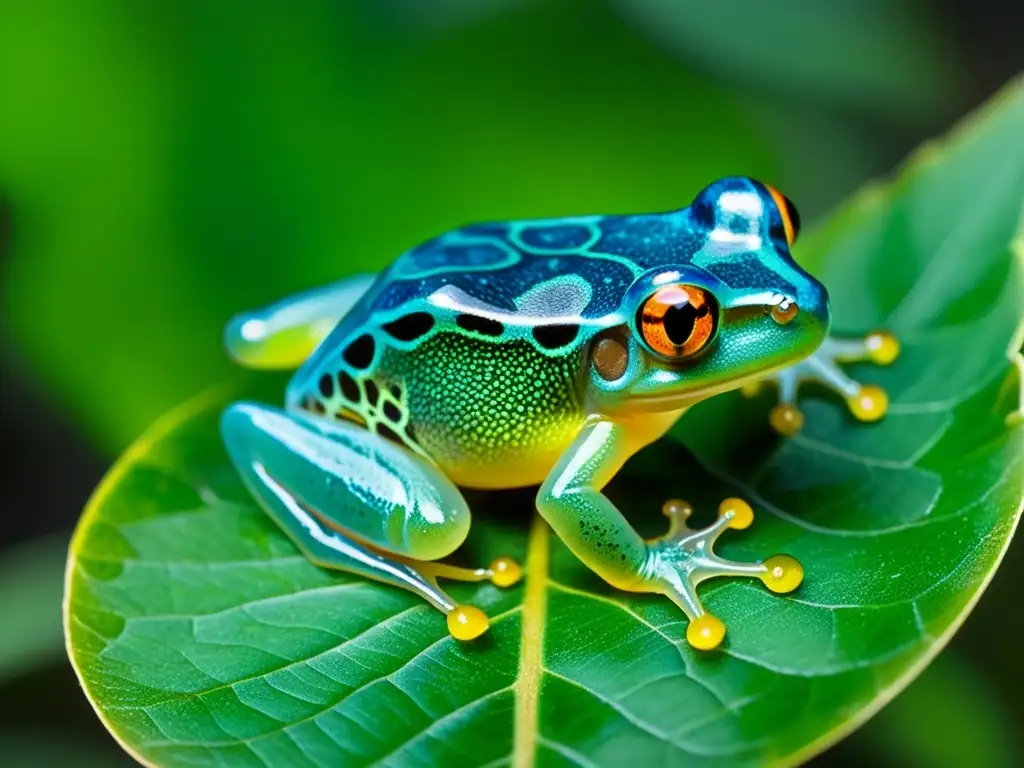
{"x":351,"y":500}
{"x":284,"y":334}
{"x":344,"y":479}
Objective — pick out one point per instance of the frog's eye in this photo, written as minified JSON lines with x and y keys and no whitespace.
{"x":788,"y":213}
{"x":678,"y":321}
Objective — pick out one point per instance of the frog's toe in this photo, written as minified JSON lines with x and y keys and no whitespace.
{"x":752,"y":388}
{"x":677,"y":511}
{"x":736,"y":512}
{"x":684,"y":557}
{"x":869,"y":403}
{"x":881,"y":347}
{"x":866,"y":402}
{"x":504,"y":572}
{"x":782,"y":574}
{"x":786,"y":419}
{"x":705,"y":633}
{"x":878,"y":347}
{"x":467,"y":622}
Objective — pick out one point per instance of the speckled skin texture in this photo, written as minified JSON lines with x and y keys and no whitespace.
{"x":484,"y":403}
{"x":475,"y":354}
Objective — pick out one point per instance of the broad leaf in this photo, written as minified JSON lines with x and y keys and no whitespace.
{"x":203,"y":637}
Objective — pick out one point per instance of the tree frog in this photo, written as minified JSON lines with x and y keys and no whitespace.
{"x":534,"y":353}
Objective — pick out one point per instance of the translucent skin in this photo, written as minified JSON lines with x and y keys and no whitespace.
{"x":510,"y":354}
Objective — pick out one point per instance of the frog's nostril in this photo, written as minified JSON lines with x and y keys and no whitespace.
{"x":784,"y":311}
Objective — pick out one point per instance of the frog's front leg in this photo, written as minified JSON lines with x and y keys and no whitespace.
{"x":866,"y":402}
{"x":591,"y":526}
{"x":353,"y":501}
{"x":283,"y":335}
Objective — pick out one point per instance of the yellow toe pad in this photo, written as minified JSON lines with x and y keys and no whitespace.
{"x":786,"y":419}
{"x":705,"y":632}
{"x":505,"y":572}
{"x":739,"y":512}
{"x":466,"y":622}
{"x":882,"y":347}
{"x":869,"y":404}
{"x":783,"y":574}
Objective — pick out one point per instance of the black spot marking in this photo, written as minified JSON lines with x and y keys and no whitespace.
{"x":410,"y":327}
{"x":372,"y":392}
{"x":410,"y":432}
{"x":387,"y":432}
{"x":483,"y":325}
{"x":703,"y":213}
{"x":349,"y":387}
{"x":555,"y":336}
{"x":359,"y":354}
{"x":396,"y":392}
{"x":327,"y":385}
{"x":391,"y":412}
{"x":318,"y":407}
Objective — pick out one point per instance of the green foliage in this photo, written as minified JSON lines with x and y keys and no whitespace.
{"x":872,"y":55}
{"x":947,"y":719}
{"x":31,"y":583}
{"x":224,"y":154}
{"x":201,"y":635}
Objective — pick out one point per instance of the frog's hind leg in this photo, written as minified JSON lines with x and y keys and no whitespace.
{"x":353,"y":501}
{"x":284,"y":334}
{"x":866,"y":402}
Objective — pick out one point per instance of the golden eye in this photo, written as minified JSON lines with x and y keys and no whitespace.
{"x":678,"y":320}
{"x":788,"y":212}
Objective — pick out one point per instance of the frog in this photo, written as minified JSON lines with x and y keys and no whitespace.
{"x":535,"y":353}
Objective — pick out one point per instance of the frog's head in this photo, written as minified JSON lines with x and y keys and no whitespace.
{"x":740,"y":306}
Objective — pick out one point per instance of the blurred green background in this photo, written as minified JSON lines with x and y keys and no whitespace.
{"x":166,"y":164}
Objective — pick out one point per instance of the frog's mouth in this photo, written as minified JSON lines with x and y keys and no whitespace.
{"x":691,"y":398}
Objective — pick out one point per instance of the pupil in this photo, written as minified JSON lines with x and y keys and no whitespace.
{"x":678,"y":322}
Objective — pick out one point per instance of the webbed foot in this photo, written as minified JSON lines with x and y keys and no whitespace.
{"x":866,"y":402}
{"x":683,"y":558}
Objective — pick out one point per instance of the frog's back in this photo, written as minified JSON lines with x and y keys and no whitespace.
{"x":471,"y":348}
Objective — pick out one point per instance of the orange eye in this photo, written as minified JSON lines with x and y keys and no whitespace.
{"x":678,"y":320}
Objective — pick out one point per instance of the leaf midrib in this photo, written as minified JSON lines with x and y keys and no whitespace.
{"x":531,"y":668}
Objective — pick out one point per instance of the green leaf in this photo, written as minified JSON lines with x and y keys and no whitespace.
{"x":869,"y":55}
{"x":203,"y":637}
{"x":227,"y":153}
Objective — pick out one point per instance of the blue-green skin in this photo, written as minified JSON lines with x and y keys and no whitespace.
{"x":359,"y":467}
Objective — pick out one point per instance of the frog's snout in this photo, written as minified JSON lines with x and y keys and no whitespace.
{"x":805,"y":317}
{"x":808,"y":310}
